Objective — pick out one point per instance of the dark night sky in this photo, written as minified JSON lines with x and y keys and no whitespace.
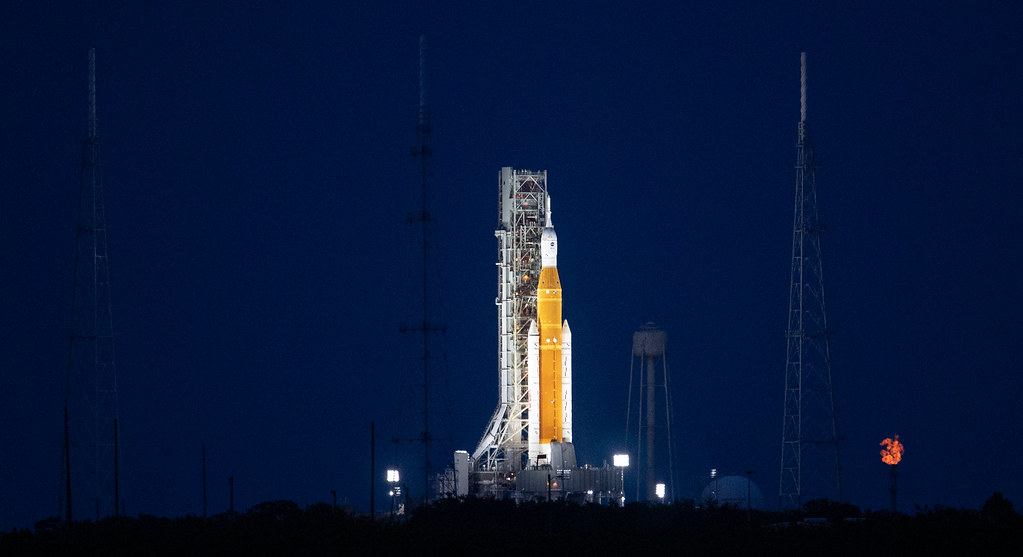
{"x":258,"y":180}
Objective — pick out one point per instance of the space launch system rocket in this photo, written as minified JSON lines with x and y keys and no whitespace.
{"x":549,"y":358}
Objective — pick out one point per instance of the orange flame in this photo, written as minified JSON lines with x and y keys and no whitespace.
{"x":892,"y":451}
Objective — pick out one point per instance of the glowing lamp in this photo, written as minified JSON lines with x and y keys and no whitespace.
{"x":621,"y":460}
{"x":659,"y":490}
{"x":891,"y":454}
{"x":392,"y":476}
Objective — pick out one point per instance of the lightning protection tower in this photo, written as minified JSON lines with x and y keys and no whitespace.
{"x":90,"y":408}
{"x":433,"y":354}
{"x":522,"y":205}
{"x":810,"y":466}
{"x":649,"y":414}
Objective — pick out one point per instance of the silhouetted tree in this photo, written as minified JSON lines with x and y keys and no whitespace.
{"x":834,"y":511}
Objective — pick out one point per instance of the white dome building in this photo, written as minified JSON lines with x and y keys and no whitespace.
{"x":734,"y":491}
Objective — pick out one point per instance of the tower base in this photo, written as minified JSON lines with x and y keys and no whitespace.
{"x":559,"y":480}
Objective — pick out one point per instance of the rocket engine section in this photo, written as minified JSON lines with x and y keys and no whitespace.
{"x":549,"y":359}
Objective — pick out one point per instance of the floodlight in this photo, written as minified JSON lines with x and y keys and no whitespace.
{"x":621,"y":460}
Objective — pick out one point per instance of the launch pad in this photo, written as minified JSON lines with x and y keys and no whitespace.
{"x":526,"y":450}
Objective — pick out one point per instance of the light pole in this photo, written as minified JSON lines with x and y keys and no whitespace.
{"x":891,"y":455}
{"x":393,"y":477}
{"x":621,"y":462}
{"x":714,"y":476}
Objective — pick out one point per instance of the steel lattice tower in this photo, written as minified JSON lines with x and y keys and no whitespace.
{"x":810,"y":467}
{"x":433,"y":353}
{"x":90,"y":409}
{"x":522,"y":204}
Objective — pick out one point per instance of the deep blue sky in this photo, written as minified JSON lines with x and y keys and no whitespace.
{"x":258,"y":182}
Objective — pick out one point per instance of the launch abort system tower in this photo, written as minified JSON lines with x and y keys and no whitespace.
{"x":809,"y":454}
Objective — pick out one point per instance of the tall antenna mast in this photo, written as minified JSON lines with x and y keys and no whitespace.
{"x":91,"y":409}
{"x":423,"y":152}
{"x":423,"y":122}
{"x":810,"y":466}
{"x":93,"y":132}
{"x":802,"y":94}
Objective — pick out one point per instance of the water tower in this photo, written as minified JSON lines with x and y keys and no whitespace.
{"x":649,"y":416}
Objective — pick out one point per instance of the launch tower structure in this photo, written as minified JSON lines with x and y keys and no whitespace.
{"x":90,"y":474}
{"x":522,"y":206}
{"x":810,"y":466}
{"x":526,"y":452}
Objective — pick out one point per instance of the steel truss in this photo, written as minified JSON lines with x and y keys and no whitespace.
{"x":522,"y":202}
{"x":810,"y":466}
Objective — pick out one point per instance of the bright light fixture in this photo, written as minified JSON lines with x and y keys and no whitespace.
{"x":621,"y":460}
{"x":659,"y":490}
{"x":392,"y":476}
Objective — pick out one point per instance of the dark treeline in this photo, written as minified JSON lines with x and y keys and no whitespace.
{"x":488,"y":527}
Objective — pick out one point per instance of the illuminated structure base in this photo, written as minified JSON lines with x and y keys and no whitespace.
{"x":586,"y":484}
{"x":525,"y":452}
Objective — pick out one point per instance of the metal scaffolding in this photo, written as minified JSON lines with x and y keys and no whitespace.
{"x":90,"y":477}
{"x":432,"y":356}
{"x":810,"y":466}
{"x":522,"y":205}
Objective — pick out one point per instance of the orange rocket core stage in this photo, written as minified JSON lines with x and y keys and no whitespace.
{"x":548,"y":312}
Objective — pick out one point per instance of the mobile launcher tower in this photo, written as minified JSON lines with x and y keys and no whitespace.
{"x":526,"y":451}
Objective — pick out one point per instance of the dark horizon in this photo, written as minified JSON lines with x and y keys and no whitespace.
{"x":462,"y":526}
